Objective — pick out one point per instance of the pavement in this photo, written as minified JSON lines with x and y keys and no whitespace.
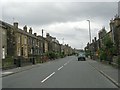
{"x":109,"y":71}
{"x":18,"y":69}
{"x":66,"y":76}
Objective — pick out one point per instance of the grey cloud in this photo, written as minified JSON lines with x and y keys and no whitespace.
{"x":46,"y":13}
{"x":80,"y":30}
{"x":65,"y":35}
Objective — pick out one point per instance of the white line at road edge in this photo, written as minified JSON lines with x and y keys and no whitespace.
{"x":60,"y":68}
{"x":48,"y":77}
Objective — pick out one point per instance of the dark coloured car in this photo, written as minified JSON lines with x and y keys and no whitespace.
{"x":81,"y":57}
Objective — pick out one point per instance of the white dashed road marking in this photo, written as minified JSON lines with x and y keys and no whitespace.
{"x":60,"y":68}
{"x":65,"y":64}
{"x":47,"y":77}
{"x":53,"y":73}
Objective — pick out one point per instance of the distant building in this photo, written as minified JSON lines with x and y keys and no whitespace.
{"x":21,"y":43}
{"x":53,"y":43}
{"x":18,"y":42}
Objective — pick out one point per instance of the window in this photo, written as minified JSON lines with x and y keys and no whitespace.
{"x":3,"y":32}
{"x":22,"y":51}
{"x":31,"y":51}
{"x":18,"y":39}
{"x":3,"y":52}
{"x":25,"y":51}
{"x":19,"y":52}
{"x":38,"y":44}
{"x":25,"y":40}
{"x":33,"y":42}
{"x":41,"y":44}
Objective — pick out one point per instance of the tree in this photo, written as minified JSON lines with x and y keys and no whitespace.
{"x":108,"y":48}
{"x":102,"y":54}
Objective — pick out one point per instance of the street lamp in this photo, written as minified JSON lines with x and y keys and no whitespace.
{"x":90,"y":37}
{"x":89,"y":31}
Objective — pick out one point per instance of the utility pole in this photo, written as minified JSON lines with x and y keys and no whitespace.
{"x":90,"y":39}
{"x":89,"y":31}
{"x":42,"y":46}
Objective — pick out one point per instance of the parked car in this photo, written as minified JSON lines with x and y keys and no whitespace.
{"x":81,"y":57}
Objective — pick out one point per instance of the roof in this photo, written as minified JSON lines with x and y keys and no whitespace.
{"x":5,"y":25}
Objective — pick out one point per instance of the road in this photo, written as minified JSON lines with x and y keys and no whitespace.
{"x":60,"y":73}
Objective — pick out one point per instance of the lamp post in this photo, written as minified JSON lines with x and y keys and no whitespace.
{"x":42,"y":45}
{"x":42,"y":42}
{"x":89,"y":31}
{"x":89,"y":38}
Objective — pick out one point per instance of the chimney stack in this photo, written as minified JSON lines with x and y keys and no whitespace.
{"x":30,"y":30}
{"x":47,"y":35}
{"x":25,"y":28}
{"x":35,"y":34}
{"x":15,"y":24}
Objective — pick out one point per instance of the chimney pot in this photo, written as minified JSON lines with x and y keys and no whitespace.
{"x":47,"y":34}
{"x":35,"y":34}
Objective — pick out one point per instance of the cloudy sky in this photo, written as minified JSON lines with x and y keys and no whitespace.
{"x":61,"y":19}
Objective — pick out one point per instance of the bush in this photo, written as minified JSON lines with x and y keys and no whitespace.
{"x":8,"y":61}
{"x":38,"y":59}
{"x":62,"y":55}
{"x":103,"y":55}
{"x":54,"y":55}
{"x":87,"y":53}
{"x":50,"y":55}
